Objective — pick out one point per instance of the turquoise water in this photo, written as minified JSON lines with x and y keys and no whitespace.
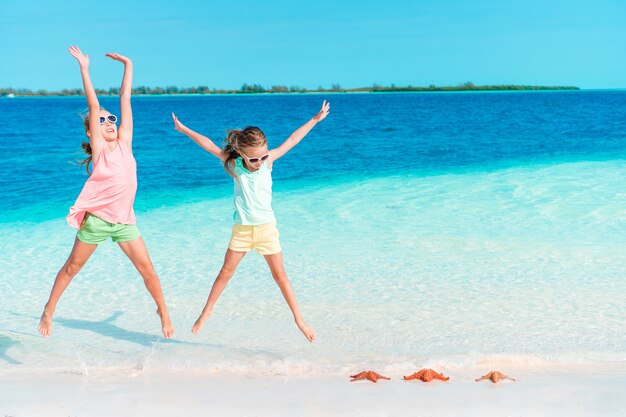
{"x":439,"y":230}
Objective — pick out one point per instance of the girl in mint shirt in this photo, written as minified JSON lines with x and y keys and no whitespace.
{"x":247,"y":159}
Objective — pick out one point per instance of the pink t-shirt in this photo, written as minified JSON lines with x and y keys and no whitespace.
{"x":109,"y":192}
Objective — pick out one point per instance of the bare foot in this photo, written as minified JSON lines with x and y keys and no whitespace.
{"x":200,"y":322}
{"x":45,"y":324}
{"x":166,"y":324}
{"x":308,"y":332}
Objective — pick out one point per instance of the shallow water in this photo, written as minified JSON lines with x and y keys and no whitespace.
{"x":456,"y":230}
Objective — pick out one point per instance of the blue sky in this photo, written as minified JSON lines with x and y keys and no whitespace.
{"x":317,"y":43}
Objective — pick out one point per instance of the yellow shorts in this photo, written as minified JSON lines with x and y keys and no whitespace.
{"x":263,"y":237}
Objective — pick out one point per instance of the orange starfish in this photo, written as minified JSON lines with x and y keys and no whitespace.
{"x":494,"y":377}
{"x":371,"y":375}
{"x":426,"y":375}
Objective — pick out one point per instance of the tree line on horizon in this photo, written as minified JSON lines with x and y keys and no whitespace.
{"x":258,"y":88}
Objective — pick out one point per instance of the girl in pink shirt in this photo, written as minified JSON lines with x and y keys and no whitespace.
{"x":104,"y":207}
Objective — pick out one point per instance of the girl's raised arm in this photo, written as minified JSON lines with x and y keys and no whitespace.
{"x":125,"y":131}
{"x":300,"y":133}
{"x":95,"y":136}
{"x":204,"y":142}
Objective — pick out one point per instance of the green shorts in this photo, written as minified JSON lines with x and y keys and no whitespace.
{"x":94,"y":231}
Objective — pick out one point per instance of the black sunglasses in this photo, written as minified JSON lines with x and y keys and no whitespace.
{"x":111,"y":118}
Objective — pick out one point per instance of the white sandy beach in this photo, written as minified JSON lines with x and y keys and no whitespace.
{"x":557,"y":392}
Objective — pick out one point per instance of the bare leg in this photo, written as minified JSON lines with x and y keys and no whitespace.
{"x":138,"y":254}
{"x":277,"y":267}
{"x":77,"y":259}
{"x":231,"y":261}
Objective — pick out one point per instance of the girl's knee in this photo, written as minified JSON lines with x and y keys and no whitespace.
{"x":227,"y":272}
{"x":147,"y":271}
{"x":72,"y":267}
{"x":152,"y":276}
{"x":280,"y":277}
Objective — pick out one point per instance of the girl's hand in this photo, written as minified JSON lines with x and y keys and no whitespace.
{"x":177,"y":124}
{"x":118,"y":57}
{"x":83,"y":60}
{"x":323,"y":112}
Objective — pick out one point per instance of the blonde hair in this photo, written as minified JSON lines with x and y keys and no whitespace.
{"x":238,"y":139}
{"x":86,"y":145}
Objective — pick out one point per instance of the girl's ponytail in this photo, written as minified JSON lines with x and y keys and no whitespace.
{"x":85,"y":145}
{"x":230,"y":147}
{"x":87,"y":148}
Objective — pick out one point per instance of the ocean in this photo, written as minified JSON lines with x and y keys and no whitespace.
{"x":427,"y":229}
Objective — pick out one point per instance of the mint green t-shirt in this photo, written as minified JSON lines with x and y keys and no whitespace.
{"x":253,"y":195}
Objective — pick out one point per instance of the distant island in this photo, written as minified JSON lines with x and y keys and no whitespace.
{"x":280,"y":89}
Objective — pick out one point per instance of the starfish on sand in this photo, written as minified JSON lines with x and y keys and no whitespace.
{"x":426,"y":375}
{"x":494,"y":377}
{"x":371,"y":375}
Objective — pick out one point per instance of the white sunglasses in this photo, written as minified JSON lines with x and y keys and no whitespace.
{"x":255,"y":160}
{"x":111,"y":118}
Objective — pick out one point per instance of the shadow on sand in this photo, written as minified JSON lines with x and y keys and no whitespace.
{"x":107,"y":328}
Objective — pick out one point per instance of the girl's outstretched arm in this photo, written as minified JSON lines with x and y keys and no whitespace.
{"x":125,"y":131}
{"x":95,"y":136}
{"x":206,"y":143}
{"x":300,"y":133}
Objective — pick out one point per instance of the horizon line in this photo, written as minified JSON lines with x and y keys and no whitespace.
{"x":274,"y":89}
